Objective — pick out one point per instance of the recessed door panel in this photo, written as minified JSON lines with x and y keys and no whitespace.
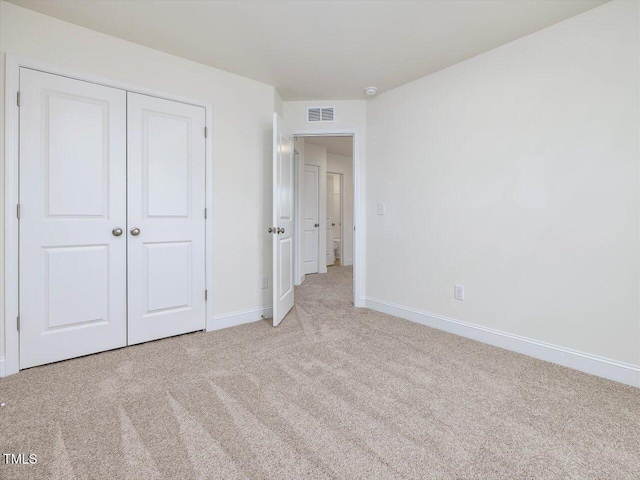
{"x":166,"y":225}
{"x":77,"y":147}
{"x":285,"y":168}
{"x":80,"y":296}
{"x":167,"y":164}
{"x":72,"y":195}
{"x":286,"y":267}
{"x":167,"y":274}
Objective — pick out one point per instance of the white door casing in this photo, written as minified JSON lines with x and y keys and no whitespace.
{"x":73,"y":194}
{"x":283,"y":210}
{"x":166,"y":203}
{"x":337,"y":212}
{"x":311,"y":221}
{"x":330,"y":256}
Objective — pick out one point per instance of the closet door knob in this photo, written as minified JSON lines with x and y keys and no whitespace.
{"x":317,"y":225}
{"x":280,"y":230}
{"x":116,"y":232}
{"x":135,"y":231}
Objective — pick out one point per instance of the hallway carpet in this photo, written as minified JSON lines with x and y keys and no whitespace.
{"x":333,"y":392}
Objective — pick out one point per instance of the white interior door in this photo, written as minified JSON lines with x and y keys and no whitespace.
{"x":72,"y":197}
{"x":282,"y":230}
{"x":311,"y":222}
{"x":166,"y":222}
{"x":330,"y":254}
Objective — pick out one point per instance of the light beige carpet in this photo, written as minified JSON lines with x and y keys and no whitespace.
{"x":331,"y":393}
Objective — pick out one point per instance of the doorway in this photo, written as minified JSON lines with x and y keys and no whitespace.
{"x":291,"y":152}
{"x":326,"y":192}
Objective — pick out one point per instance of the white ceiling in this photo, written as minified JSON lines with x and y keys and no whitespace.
{"x":336,"y":145}
{"x":318,"y":50}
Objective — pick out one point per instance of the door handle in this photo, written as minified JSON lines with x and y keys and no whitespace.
{"x":280,"y":230}
{"x":317,"y":225}
{"x":116,"y":232}
{"x":333,"y":224}
{"x":135,"y":231}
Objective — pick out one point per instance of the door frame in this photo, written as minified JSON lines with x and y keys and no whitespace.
{"x":297,"y":241}
{"x":358,"y":216}
{"x":341,"y":176}
{"x":10,"y":276}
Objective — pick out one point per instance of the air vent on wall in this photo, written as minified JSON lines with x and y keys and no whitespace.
{"x":320,"y":114}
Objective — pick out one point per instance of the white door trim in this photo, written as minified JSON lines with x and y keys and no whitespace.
{"x":359,"y":234}
{"x":300,"y":233}
{"x":297,"y":204}
{"x":11,"y":196}
{"x":341,"y":219}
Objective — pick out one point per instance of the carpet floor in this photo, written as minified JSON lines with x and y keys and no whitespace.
{"x":333,"y":392}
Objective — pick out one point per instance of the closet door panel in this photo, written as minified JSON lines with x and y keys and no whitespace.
{"x":166,"y":199}
{"x":72,"y":197}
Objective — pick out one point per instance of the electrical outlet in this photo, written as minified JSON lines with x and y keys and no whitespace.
{"x":381,"y":209}
{"x":458,"y":292}
{"x":265,"y":283}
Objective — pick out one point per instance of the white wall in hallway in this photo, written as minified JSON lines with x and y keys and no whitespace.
{"x":344,"y":165}
{"x":242,"y":127}
{"x":516,"y":174}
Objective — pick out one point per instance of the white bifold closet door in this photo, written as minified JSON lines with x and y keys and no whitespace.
{"x":72,"y":196}
{"x":166,"y":218}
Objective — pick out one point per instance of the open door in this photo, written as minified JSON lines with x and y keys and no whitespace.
{"x":282,"y":230}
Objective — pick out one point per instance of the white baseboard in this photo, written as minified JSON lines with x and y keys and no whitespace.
{"x":2,"y":371}
{"x":602,"y":367}
{"x":239,"y":318}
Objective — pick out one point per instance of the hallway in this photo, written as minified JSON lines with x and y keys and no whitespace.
{"x":334,"y":392}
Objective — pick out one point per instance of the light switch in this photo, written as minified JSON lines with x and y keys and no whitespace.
{"x":381,"y":209}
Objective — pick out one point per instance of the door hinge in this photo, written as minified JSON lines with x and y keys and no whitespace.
{"x":18,"y":98}
{"x":205,"y":132}
{"x":18,"y":323}
{"x":18,"y":211}
{"x":206,"y":295}
{"x":205,"y":213}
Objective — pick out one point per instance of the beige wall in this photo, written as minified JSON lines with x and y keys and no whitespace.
{"x":516,"y":174}
{"x":242,"y":126}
